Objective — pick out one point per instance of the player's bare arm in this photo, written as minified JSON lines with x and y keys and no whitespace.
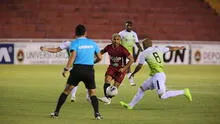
{"x":99,"y":56}
{"x":174,"y":48}
{"x":139,"y":47}
{"x":137,"y":69}
{"x":130,"y":62}
{"x":102,"y":51}
{"x":51,"y":50}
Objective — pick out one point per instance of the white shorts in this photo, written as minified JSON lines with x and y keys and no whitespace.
{"x":157,"y":82}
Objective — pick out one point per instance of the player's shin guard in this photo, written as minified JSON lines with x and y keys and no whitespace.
{"x":95,"y":104}
{"x":60,"y":102}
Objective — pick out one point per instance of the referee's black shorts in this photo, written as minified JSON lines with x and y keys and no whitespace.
{"x":83,"y":73}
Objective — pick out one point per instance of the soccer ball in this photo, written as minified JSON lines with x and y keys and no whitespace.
{"x":112,"y":91}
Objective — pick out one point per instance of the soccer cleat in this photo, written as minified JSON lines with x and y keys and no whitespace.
{"x":188,"y":94}
{"x":132,"y":84}
{"x":73,"y":99}
{"x":98,"y":116}
{"x":54,"y":115}
{"x":125,"y":105}
{"x":131,"y":80}
{"x":105,"y":100}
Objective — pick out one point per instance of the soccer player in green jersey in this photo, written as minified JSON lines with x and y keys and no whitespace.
{"x":128,"y":39}
{"x":153,"y":56}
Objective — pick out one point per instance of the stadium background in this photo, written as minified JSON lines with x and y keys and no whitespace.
{"x":190,"y":20}
{"x":186,"y":22}
{"x":27,"y":24}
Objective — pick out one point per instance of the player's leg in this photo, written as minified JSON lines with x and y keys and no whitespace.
{"x":73,"y":94}
{"x":88,"y":96}
{"x":89,"y":81}
{"x":174,"y":93}
{"x":147,"y":85}
{"x":62,"y":100}
{"x":109,"y":98}
{"x":135,"y":55}
{"x":71,"y":83}
{"x":95,"y":103}
{"x":106,"y":99}
{"x":108,"y":80}
{"x":110,"y":73}
{"x":159,"y":82}
{"x":131,"y":80}
{"x":118,"y":78}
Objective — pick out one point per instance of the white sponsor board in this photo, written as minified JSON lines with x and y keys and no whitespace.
{"x":30,"y":53}
{"x":205,"y":54}
{"x":27,"y":51}
{"x":176,"y":57}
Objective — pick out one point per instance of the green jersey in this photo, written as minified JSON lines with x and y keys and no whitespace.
{"x":154,"y":58}
{"x":128,"y":39}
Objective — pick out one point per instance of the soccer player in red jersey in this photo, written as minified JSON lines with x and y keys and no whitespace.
{"x":117,"y":68}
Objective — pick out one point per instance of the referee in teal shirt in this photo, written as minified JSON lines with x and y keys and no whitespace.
{"x":83,"y":52}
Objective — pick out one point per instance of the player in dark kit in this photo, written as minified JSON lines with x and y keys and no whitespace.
{"x":117,"y":68}
{"x":83,"y":51}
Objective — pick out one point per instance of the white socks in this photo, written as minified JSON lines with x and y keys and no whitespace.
{"x":131,"y":80}
{"x":138,"y":96}
{"x":140,"y":93}
{"x":169,"y":94}
{"x":73,"y":92}
{"x":128,"y":75}
{"x":87,"y":94}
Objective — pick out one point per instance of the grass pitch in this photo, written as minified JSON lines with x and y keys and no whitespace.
{"x":29,"y":93}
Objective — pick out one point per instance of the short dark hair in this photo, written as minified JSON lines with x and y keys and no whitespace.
{"x":80,"y":30}
{"x":128,"y":22}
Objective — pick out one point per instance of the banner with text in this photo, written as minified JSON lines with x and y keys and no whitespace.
{"x":28,"y":52}
{"x":176,"y":57}
{"x":205,"y":54}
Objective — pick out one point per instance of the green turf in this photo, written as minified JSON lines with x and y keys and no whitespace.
{"x":29,"y":93}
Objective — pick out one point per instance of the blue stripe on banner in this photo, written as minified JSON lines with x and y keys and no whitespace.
{"x":6,"y":53}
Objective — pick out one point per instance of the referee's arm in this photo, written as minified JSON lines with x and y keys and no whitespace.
{"x":71,"y":60}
